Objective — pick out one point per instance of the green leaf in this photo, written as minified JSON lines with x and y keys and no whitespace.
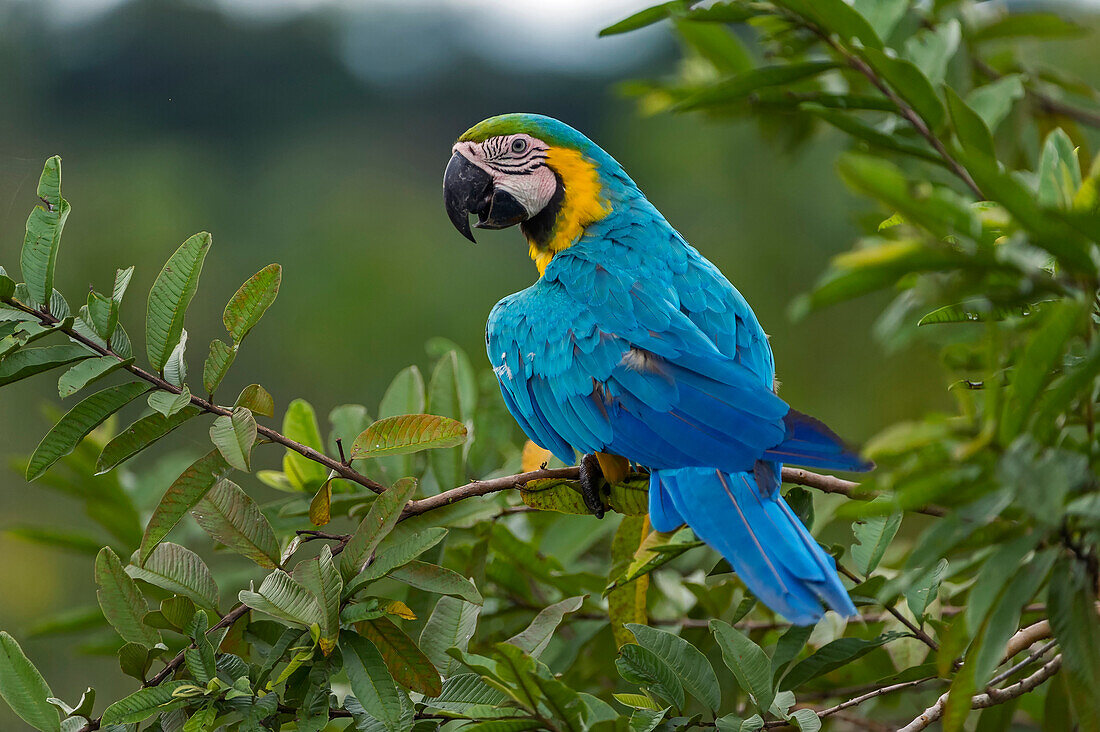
{"x":630,"y":498}
{"x":251,"y":301}
{"x":908,"y":81}
{"x":873,"y":536}
{"x":122,"y":603}
{"x":994,"y":101}
{"x":407,"y":434}
{"x":404,"y":395}
{"x":740,"y":86}
{"x":1034,"y":368}
{"x":78,"y":422}
{"x":200,"y":658}
{"x":31,"y":361}
{"x":85,"y":372}
{"x":175,"y":368}
{"x":300,"y":425}
{"x":1031,"y":25}
{"x":171,"y":294}
{"x":230,"y":516}
{"x":535,"y":637}
{"x":445,"y":400}
{"x":256,"y":399}
{"x":234,"y":436}
{"x":443,"y":581}
{"x":38,"y":259}
{"x":832,"y":656}
{"x":320,"y":576}
{"x":930,"y":49}
{"x":180,"y":498}
{"x":168,"y":403}
{"x":140,"y":435}
{"x":469,"y":695}
{"x":715,"y":43}
{"x":749,"y":663}
{"x":859,"y":129}
{"x":978,"y":311}
{"x":379,"y":521}
{"x":56,"y":538}
{"x":144,"y":703}
{"x":1071,"y":603}
{"x":180,"y":571}
{"x":451,"y":625}
{"x":645,"y":668}
{"x":646,"y":17}
{"x":283,"y":597}
{"x":345,"y":423}
{"x":23,"y":687}
{"x":921,"y":594}
{"x":1059,"y":171}
{"x":687,"y":662}
{"x":407,"y":663}
{"x":836,"y":17}
{"x":370,"y":680}
{"x":396,"y":555}
{"x":217,"y":364}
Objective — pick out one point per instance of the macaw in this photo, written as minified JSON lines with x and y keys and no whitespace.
{"x":632,"y":347}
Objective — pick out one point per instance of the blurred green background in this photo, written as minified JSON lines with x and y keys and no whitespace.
{"x":314,"y":134}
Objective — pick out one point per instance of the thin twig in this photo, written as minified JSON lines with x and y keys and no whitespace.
{"x":916,"y":631}
{"x":881,"y":691}
{"x":344,"y":471}
{"x":989,"y":698}
{"x":1035,"y":656}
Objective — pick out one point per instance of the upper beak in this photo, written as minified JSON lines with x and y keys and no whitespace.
{"x":467,"y":189}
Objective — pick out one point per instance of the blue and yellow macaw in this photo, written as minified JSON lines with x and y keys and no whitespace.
{"x":631,"y":346}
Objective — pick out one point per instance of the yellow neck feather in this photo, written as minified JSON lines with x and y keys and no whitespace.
{"x":581,"y":204}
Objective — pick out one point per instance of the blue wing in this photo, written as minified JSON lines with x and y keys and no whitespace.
{"x":665,"y":365}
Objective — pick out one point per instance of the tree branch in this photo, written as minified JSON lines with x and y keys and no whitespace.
{"x":989,"y":698}
{"x":344,"y":471}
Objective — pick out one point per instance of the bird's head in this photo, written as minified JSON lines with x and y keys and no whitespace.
{"x":530,"y":170}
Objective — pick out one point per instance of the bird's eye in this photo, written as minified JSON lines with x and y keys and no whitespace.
{"x":519,"y":145}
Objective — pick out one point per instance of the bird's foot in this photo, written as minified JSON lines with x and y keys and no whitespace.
{"x":591,"y":483}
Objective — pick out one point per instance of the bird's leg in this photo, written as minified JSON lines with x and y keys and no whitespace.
{"x":591,"y":477}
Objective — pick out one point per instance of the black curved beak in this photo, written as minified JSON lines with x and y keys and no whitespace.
{"x":467,"y":189}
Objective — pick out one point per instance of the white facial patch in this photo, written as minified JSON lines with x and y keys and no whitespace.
{"x":517,"y":165}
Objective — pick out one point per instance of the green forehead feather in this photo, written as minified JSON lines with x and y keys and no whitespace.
{"x":547,"y":129}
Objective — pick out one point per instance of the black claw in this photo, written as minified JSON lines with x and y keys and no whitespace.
{"x":591,"y":477}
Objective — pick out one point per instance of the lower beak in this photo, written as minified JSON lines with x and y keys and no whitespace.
{"x":467,"y":189}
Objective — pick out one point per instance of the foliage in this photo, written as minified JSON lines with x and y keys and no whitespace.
{"x":452,"y":602}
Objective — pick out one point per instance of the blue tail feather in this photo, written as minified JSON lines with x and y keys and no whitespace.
{"x":810,"y":444}
{"x":758,"y":534}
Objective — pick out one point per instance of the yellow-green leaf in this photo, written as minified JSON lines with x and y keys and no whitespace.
{"x":217,"y":365}
{"x":406,"y":434}
{"x":39,"y":256}
{"x":250,"y":302}
{"x":300,"y":425}
{"x":258,"y":401}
